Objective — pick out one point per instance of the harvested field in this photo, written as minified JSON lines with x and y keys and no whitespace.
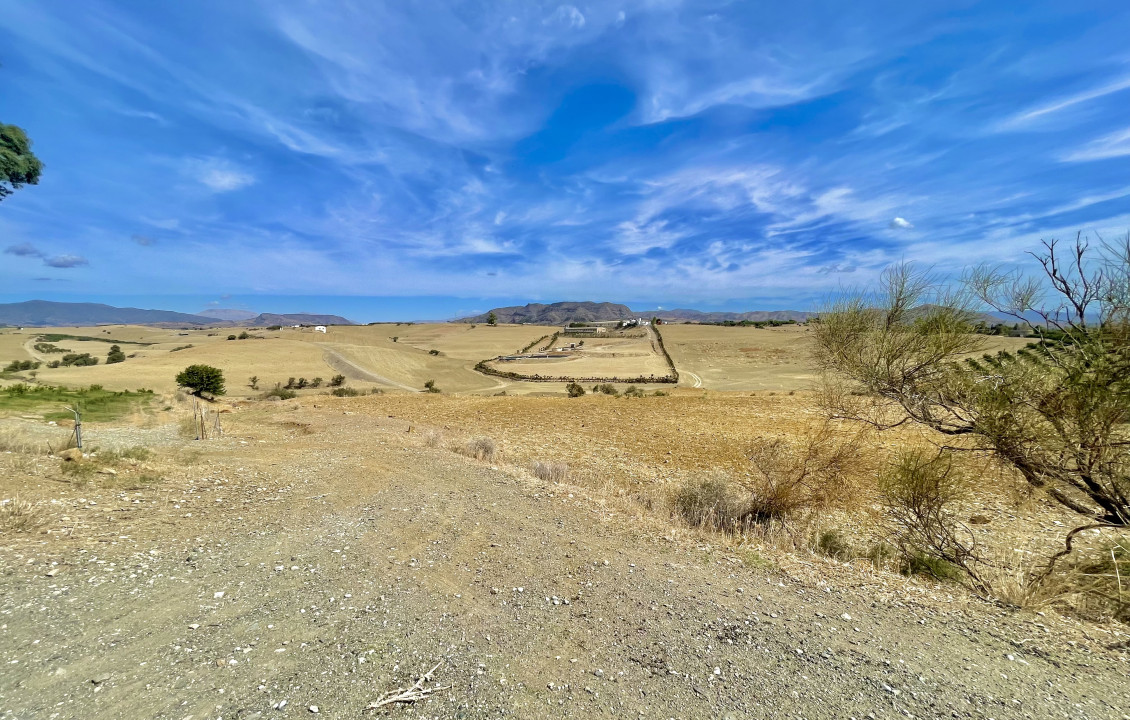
{"x":625,"y":355}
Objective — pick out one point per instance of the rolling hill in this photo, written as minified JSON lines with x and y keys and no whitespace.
{"x":46,"y":313}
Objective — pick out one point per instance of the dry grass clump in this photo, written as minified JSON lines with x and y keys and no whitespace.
{"x":16,"y":441}
{"x":433,"y":438}
{"x":19,"y":515}
{"x":1095,"y":586}
{"x":483,"y":448}
{"x":711,"y":503}
{"x":550,"y":472}
{"x":12,"y":440}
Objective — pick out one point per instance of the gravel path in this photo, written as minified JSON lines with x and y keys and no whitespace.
{"x":321,"y":557}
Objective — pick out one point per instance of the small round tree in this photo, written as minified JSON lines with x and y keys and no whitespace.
{"x":202,"y":379}
{"x":492,"y":319}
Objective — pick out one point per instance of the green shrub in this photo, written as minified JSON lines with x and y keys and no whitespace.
{"x":430,"y":387}
{"x":280,"y":392}
{"x":79,"y":360}
{"x":337,"y":381}
{"x":920,"y":492}
{"x":606,"y":389}
{"x":833,"y":544}
{"x":574,"y":389}
{"x":18,"y":365}
{"x":433,"y":352}
{"x":202,"y":379}
{"x":316,"y":382}
{"x":345,"y":392}
{"x":633,"y":391}
{"x":231,"y":337}
{"x":115,"y":355}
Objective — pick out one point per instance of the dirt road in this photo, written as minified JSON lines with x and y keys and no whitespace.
{"x":322,"y":556}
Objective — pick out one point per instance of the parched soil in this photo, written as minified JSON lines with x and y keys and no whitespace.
{"x":321,"y":554}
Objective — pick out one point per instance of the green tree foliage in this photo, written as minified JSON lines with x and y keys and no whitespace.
{"x":1057,"y":412}
{"x":18,"y":164}
{"x":18,"y":365}
{"x":115,"y":355}
{"x":492,"y":319}
{"x":202,"y":379}
{"x":78,"y":359}
{"x":575,"y":389}
{"x":337,"y":381}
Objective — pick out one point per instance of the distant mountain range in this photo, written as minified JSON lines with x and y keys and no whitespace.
{"x":44,"y":313}
{"x":684,"y":315}
{"x":566,"y":312}
{"x":555,"y":314}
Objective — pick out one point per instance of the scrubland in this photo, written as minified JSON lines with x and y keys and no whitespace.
{"x":658,"y":556}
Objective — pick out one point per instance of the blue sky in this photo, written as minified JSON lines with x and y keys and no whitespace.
{"x":450,"y":156}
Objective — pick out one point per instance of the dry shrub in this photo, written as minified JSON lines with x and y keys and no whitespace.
{"x":19,"y":515}
{"x":814,"y":473}
{"x":482,"y":448}
{"x":433,"y":438}
{"x":551,"y":472}
{"x":920,"y":491}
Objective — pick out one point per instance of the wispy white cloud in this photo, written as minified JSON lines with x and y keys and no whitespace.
{"x":1116,"y":144}
{"x":217,"y":174}
{"x":901,"y":223}
{"x":1029,"y":117}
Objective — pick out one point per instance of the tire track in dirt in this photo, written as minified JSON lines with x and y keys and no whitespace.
{"x":349,"y":368}
{"x":28,"y":347}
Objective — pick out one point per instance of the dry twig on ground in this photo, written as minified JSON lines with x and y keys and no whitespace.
{"x":408,"y":695}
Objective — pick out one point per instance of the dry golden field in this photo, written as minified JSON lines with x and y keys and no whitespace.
{"x":750,"y":358}
{"x":707,"y":356}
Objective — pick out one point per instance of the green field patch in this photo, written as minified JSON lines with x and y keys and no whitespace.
{"x":95,"y":403}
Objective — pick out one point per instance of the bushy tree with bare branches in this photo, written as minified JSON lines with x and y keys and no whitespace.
{"x":1058,"y":412}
